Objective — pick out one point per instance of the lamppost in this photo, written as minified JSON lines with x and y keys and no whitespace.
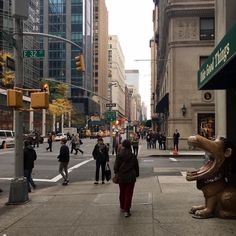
{"x":18,"y":187}
{"x":110,"y":84}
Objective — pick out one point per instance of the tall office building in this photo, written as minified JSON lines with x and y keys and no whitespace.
{"x":116,"y":64}
{"x":72,"y":20}
{"x":31,"y":65}
{"x":100,"y":24}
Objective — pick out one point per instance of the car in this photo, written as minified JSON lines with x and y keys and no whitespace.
{"x":60,"y":136}
{"x":7,"y":137}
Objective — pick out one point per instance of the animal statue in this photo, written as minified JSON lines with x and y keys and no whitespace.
{"x":216,"y":178}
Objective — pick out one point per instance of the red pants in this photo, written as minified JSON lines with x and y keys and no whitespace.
{"x":126,"y":194}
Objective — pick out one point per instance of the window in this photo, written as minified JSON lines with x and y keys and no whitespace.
{"x":202,"y":59}
{"x":207,"y":29}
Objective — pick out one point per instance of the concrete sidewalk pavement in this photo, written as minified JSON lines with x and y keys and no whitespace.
{"x":160,"y":207}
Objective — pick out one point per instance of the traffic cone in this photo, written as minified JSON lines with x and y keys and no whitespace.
{"x":175,"y":152}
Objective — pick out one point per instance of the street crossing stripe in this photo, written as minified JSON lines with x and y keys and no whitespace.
{"x":173,"y":159}
{"x":55,"y":179}
{"x":58,"y":177}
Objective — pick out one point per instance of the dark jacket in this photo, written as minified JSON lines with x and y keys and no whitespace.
{"x":126,"y":166}
{"x":29,"y":157}
{"x":64,"y":155}
{"x":100,"y":153}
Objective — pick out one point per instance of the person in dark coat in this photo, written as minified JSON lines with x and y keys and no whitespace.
{"x":126,"y":167}
{"x":64,"y":158}
{"x":101,"y":155}
{"x":176,"y":136}
{"x":49,"y":143}
{"x":30,"y":156}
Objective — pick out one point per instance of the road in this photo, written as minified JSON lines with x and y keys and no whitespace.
{"x":82,"y":167}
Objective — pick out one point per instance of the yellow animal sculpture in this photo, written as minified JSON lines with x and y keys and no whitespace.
{"x":216,"y":178}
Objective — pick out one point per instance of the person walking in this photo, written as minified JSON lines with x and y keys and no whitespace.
{"x":126,"y":167}
{"x":117,"y":141}
{"x":29,"y":156}
{"x":101,"y":155}
{"x":78,"y":142}
{"x":176,"y":136}
{"x":49,"y":143}
{"x":135,"y":144}
{"x":64,"y":158}
{"x":73,"y":143}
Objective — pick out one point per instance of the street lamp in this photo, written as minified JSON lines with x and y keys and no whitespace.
{"x":184,"y":110}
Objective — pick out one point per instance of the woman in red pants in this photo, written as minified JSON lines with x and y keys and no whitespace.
{"x":127,"y":169}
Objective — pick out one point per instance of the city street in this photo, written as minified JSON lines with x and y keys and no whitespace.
{"x":82,"y":167}
{"x":161,"y":201}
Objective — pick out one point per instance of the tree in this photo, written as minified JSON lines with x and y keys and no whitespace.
{"x":7,"y":76}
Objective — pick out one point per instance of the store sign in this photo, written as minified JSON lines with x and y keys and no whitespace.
{"x":221,"y":55}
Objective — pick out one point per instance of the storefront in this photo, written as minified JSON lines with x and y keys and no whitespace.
{"x":219,"y":72}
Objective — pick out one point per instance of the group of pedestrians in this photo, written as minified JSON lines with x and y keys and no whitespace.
{"x":153,"y":137}
{"x":126,"y":165}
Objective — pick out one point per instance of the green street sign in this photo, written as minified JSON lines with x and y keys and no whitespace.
{"x":111,"y":115}
{"x":33,"y":53}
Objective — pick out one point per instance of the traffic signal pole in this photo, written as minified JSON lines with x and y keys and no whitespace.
{"x":18,"y":186}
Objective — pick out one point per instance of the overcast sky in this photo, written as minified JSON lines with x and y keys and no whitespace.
{"x":131,"y":20}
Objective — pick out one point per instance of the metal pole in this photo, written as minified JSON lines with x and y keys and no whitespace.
{"x":110,"y":109}
{"x":18,"y":187}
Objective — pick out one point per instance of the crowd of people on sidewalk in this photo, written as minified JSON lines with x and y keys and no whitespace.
{"x":153,"y":137}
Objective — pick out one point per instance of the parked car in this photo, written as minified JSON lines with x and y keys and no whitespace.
{"x":8,"y":136}
{"x":60,"y":136}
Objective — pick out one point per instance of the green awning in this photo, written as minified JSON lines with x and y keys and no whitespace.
{"x":219,"y":69}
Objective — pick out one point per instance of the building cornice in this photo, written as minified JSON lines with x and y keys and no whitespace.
{"x":191,"y":9}
{"x":193,"y":43}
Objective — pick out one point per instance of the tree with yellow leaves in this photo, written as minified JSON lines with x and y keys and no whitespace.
{"x":7,"y":76}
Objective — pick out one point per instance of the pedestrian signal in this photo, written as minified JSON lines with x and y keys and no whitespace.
{"x":79,"y":62}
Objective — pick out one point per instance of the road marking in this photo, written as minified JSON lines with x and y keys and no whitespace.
{"x":55,"y":179}
{"x":58,"y":177}
{"x":173,"y":159}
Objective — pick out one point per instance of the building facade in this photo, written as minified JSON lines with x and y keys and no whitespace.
{"x":116,"y":68}
{"x":100,"y":49}
{"x":132,"y":82}
{"x":185,"y":38}
{"x":72,"y":20}
{"x":31,"y":65}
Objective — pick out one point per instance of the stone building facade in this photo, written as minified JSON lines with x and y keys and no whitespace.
{"x":185,"y":38}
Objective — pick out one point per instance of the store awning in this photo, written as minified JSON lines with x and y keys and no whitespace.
{"x":219,"y":70}
{"x":163,"y":104}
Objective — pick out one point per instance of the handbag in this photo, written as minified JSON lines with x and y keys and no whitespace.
{"x":115,"y":179}
{"x":80,"y":142}
{"x":107,"y":172}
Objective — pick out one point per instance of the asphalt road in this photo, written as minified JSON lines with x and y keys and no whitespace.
{"x":82,"y":167}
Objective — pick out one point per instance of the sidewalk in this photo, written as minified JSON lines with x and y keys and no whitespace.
{"x":160,"y":207}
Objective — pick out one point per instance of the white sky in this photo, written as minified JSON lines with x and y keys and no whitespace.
{"x":131,"y":20}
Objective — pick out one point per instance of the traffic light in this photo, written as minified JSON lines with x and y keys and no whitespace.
{"x":39,"y":100}
{"x":79,"y":62}
{"x":14,"y":98}
{"x":45,"y":88}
